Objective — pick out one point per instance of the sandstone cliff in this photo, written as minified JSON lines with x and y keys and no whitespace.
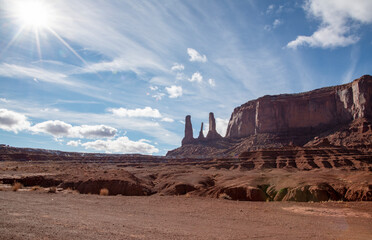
{"x":341,"y":115}
{"x":305,"y":112}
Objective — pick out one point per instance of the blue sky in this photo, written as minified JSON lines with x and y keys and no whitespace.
{"x":120,"y":76}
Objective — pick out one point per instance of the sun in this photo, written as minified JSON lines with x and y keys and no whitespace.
{"x":38,"y":16}
{"x":33,"y":14}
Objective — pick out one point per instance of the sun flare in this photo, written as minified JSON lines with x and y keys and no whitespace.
{"x":33,"y":14}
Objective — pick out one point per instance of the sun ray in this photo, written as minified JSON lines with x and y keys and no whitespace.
{"x":67,"y":45}
{"x":13,"y":40}
{"x":70,"y":48}
{"x":38,"y":16}
{"x":38,"y":43}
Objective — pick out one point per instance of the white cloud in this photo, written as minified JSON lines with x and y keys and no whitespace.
{"x":144,"y":125}
{"x":36,"y":74}
{"x":4,"y":100}
{"x":135,"y":64}
{"x":12,"y":121}
{"x":153,"y":88}
{"x":178,"y":67}
{"x":58,"y":128}
{"x":196,"y":77}
{"x":195,"y":56}
{"x":270,"y":9}
{"x":221,"y":126}
{"x":212,"y":82}
{"x":174,"y":91}
{"x":181,"y":76}
{"x":158,"y":96}
{"x":138,"y":112}
{"x":276,"y":23}
{"x":166,"y":119}
{"x":121,"y":145}
{"x":95,"y":131}
{"x":74,"y":143}
{"x":337,"y":22}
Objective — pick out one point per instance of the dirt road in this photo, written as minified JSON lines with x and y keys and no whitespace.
{"x":33,"y":215}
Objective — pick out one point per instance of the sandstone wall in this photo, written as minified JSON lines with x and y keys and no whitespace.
{"x":304,"y":112}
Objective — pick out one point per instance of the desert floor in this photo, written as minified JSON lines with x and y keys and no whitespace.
{"x":62,"y":215}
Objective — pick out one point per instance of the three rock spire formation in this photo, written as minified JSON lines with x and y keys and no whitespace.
{"x":212,"y":133}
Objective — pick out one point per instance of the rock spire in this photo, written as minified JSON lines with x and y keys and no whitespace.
{"x":201,"y":135}
{"x":189,"y":138}
{"x":212,"y":133}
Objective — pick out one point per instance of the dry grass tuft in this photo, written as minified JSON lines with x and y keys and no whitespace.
{"x":35,"y":188}
{"x":52,"y":190}
{"x":16,"y":186}
{"x":104,"y":192}
{"x":224,"y":196}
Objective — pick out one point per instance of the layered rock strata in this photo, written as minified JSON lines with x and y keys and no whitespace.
{"x":341,"y":114}
{"x":304,"y":112}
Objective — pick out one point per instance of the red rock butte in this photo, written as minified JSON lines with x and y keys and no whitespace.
{"x":301,"y":119}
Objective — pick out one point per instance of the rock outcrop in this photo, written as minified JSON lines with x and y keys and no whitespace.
{"x":306,"y":112}
{"x":212,"y":133}
{"x":189,"y":138}
{"x":336,"y":116}
{"x":201,"y":135}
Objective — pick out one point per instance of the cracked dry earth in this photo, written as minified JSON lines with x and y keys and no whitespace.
{"x":40,"y":215}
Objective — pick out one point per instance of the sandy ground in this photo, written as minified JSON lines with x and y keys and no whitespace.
{"x":36,"y":215}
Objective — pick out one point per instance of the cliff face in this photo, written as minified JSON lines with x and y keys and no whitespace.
{"x":304,"y":112}
{"x":340,"y":115}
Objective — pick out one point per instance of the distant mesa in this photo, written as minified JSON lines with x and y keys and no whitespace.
{"x":290,"y":119}
{"x":305,"y":112}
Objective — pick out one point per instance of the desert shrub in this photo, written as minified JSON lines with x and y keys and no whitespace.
{"x":35,"y":188}
{"x":16,"y":186}
{"x":52,"y":190}
{"x":104,"y":192}
{"x":283,"y":191}
{"x":264,"y":187}
{"x":224,"y":196}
